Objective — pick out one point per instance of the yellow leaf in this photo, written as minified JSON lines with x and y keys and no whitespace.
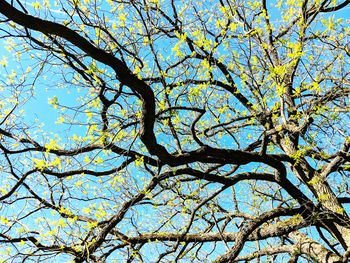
{"x":4,"y":61}
{"x":86,"y":159}
{"x":86,"y":210}
{"x":139,"y":160}
{"x":36,"y":5}
{"x":61,"y":223}
{"x":39,"y":163}
{"x":79,"y":183}
{"x":60,"y":120}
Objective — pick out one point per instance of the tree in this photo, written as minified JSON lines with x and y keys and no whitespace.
{"x":188,"y":131}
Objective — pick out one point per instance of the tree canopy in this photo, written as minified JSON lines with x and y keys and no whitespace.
{"x":174,"y":131}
